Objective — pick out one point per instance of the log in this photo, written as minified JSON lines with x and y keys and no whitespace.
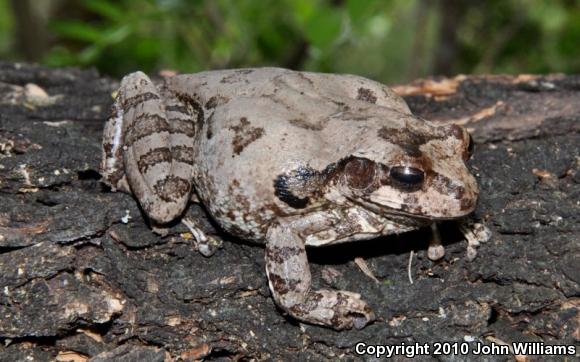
{"x":82,"y":276}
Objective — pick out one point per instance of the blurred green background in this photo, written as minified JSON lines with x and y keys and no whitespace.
{"x":391,"y":41}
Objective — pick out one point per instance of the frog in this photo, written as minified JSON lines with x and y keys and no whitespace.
{"x":289,"y":160}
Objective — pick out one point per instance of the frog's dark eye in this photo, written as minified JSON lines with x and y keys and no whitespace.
{"x":408,"y":178}
{"x":360,"y":172}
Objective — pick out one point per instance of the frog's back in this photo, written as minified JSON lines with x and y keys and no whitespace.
{"x":213,"y":88}
{"x":260,"y":124}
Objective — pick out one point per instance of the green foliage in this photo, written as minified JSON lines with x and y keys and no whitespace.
{"x":521,"y":36}
{"x":393,"y":41}
{"x":123,"y":35}
{"x":5,"y":26}
{"x":178,"y":34}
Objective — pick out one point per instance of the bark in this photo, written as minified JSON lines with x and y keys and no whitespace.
{"x":82,"y":276}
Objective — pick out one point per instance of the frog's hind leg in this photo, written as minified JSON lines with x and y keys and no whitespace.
{"x":157,"y":134}
{"x":290,"y":282}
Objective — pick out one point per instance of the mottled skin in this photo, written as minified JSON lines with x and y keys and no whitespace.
{"x":287,"y":159}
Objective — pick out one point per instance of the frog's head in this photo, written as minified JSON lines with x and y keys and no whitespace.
{"x":421,"y":173}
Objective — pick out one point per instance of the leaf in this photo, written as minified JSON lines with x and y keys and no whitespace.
{"x":323,"y":27}
{"x":361,"y":10}
{"x":303,"y":9}
{"x":106,"y":9}
{"x":77,"y":30}
{"x":117,"y":35}
{"x":60,"y":56}
{"x":89,"y":54}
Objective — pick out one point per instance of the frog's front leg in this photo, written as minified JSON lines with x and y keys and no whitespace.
{"x":290,"y":282}
{"x":157,"y":131}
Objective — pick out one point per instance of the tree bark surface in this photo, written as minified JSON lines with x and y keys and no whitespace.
{"x":82,"y":276}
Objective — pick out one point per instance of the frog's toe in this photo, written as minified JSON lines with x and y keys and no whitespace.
{"x":336,"y":309}
{"x":435,"y":252}
{"x":355,"y":313}
{"x":358,"y":318}
{"x":209,"y":247}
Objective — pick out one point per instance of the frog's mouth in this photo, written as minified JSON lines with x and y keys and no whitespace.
{"x":400,"y":216}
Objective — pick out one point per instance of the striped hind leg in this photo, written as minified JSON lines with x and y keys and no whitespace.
{"x":157,"y":131}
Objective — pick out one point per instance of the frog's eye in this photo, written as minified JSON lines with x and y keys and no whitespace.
{"x":360,"y":173}
{"x":408,"y":178}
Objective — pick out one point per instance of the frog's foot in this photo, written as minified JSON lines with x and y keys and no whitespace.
{"x":475,"y":233}
{"x":435,"y":251}
{"x":289,"y":280}
{"x":336,"y":309}
{"x":206,"y":245}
